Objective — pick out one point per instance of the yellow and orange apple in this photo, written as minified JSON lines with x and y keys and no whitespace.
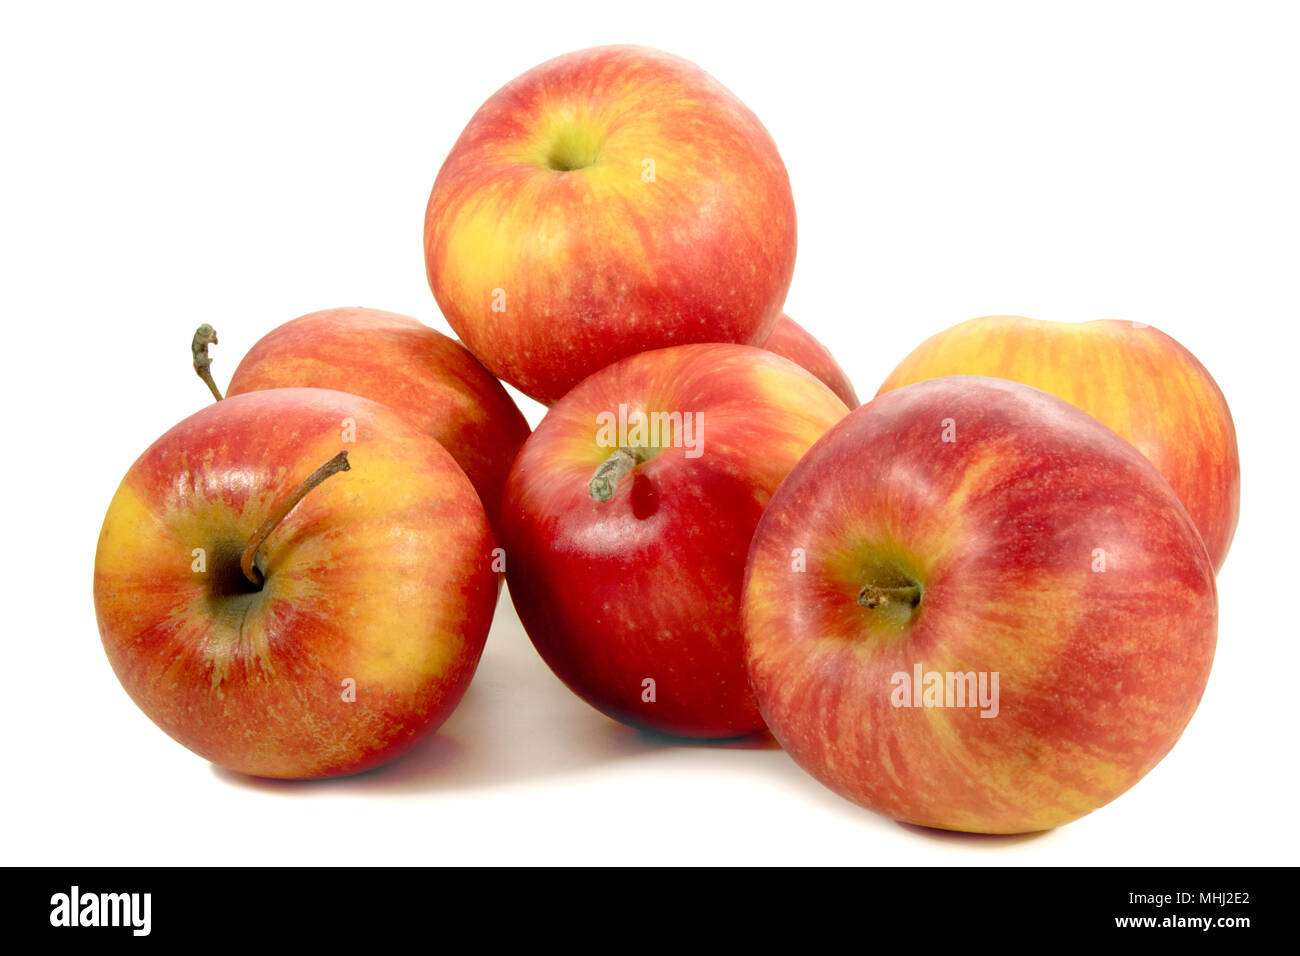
{"x":431,"y":380}
{"x":607,"y":202}
{"x":313,"y":643}
{"x":627,"y":519}
{"x":972,"y":606}
{"x":1131,"y":377}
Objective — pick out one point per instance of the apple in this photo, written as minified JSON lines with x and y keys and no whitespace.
{"x":1131,"y":377}
{"x":627,"y":519}
{"x":431,"y":380}
{"x":283,"y":619}
{"x":791,"y":340}
{"x":999,"y":617}
{"x":608,"y":202}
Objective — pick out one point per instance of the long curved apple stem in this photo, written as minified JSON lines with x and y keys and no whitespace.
{"x":872,"y":597}
{"x":204,"y":336}
{"x":612,"y":470}
{"x":332,"y":467}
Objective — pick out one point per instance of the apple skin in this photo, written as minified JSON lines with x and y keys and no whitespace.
{"x":647,"y":584}
{"x":542,"y":199}
{"x":1100,"y":671}
{"x":431,"y":380}
{"x":381,"y":574}
{"x":791,"y":340}
{"x":1131,"y":377}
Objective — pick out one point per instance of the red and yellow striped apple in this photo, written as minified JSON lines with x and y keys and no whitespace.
{"x":431,"y":380}
{"x":313,"y":643}
{"x":1131,"y":377}
{"x":607,"y":202}
{"x":626,"y":550}
{"x":998,"y":537}
{"x":791,"y":340}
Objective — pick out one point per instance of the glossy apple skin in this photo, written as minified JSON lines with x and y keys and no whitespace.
{"x":647,"y":584}
{"x":381,"y":575}
{"x":595,"y":262}
{"x":1100,"y":671}
{"x":1131,"y":377}
{"x":791,"y":340}
{"x":431,"y":380}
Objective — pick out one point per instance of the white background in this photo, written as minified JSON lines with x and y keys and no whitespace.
{"x":167,"y":165}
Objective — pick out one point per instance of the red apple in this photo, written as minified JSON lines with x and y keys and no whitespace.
{"x":607,"y":202}
{"x":791,"y":340}
{"x":1002,"y":539}
{"x":431,"y":380}
{"x":626,"y":551}
{"x":352,"y":630}
{"x":1131,"y":377}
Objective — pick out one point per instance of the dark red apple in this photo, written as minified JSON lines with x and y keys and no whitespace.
{"x":626,"y":551}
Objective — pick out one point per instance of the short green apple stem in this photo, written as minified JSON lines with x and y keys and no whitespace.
{"x":872,"y":596}
{"x":246,"y":561}
{"x":204,"y":336}
{"x":612,"y":470}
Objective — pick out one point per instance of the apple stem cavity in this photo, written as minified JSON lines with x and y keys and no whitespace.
{"x":246,"y":561}
{"x":612,"y":470}
{"x":873,"y":596}
{"x":204,"y":336}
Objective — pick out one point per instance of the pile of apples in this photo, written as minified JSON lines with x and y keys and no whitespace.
{"x":706,"y":535}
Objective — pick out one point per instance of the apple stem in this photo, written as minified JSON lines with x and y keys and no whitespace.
{"x":872,"y":596}
{"x":204,"y":336}
{"x":612,"y":470}
{"x":332,"y":467}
